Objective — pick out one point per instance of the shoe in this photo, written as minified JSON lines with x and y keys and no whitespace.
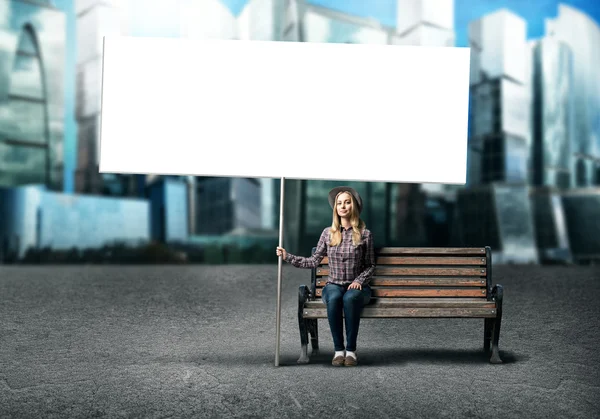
{"x":338,"y":361}
{"x":350,"y":361}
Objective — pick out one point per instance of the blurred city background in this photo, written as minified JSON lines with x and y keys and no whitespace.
{"x":533,"y":189}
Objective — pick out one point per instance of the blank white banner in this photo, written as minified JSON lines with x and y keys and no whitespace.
{"x":285,"y":109}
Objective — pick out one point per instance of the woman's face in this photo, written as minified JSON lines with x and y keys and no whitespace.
{"x":344,"y":204}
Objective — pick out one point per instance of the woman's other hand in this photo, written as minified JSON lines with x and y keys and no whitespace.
{"x":281,"y":251}
{"x":355,"y":285}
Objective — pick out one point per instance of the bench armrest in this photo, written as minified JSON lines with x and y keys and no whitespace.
{"x":497,"y":293}
{"x":307,"y":289}
{"x":304,"y":295}
{"x":498,"y":296}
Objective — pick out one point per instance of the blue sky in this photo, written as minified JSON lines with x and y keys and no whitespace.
{"x":533,"y":11}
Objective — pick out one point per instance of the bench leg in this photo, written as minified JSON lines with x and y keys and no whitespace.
{"x":495,"y":358}
{"x":303,"y":325}
{"x":314,"y":336}
{"x":487,"y":334}
{"x":497,"y":292}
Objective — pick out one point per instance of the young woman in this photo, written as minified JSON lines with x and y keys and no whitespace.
{"x":349,"y":247}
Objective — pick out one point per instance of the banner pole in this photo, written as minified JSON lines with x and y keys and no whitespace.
{"x":279,"y":270}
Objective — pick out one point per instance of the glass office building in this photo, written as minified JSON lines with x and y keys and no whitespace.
{"x":31,"y":217}
{"x":552,"y":107}
{"x":497,"y":153}
{"x":270,"y":203}
{"x":582,"y":206}
{"x":426,"y":22}
{"x":499,"y":110}
{"x":32,"y":57}
{"x":169,"y":217}
{"x":320,"y":24}
{"x":95,"y":19}
{"x":552,"y":135}
{"x":551,"y":233}
{"x":227,"y":203}
{"x":500,"y":216}
{"x":495,"y":210}
{"x":582,"y":35}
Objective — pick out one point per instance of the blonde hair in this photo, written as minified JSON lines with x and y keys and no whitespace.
{"x":335,"y":235}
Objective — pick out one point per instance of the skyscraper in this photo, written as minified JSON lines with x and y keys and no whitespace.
{"x":227,"y":203}
{"x":552,"y":119}
{"x":291,"y":28}
{"x":552,"y":134}
{"x":95,"y":19}
{"x":32,"y":57}
{"x":495,"y":210}
{"x":425,"y":23}
{"x":582,"y":35}
{"x":270,"y":203}
{"x":499,"y":131}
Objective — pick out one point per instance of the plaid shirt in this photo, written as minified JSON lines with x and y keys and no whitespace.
{"x":347,"y":263}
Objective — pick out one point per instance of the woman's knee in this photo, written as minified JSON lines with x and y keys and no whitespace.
{"x":331,"y":294}
{"x":360,"y":297}
{"x":353,"y":296}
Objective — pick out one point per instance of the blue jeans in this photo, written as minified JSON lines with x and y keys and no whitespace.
{"x":349,"y":302}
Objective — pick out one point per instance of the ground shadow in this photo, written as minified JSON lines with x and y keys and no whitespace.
{"x":370,"y":357}
{"x":381,"y":357}
{"x":390,"y":356}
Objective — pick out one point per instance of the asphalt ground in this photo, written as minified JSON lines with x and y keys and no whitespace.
{"x":199,"y":341}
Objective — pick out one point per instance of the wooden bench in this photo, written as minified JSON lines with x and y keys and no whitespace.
{"x":417,"y":283}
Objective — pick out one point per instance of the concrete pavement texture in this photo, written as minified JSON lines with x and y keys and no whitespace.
{"x":199,"y":342}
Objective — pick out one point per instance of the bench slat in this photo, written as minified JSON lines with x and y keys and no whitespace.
{"x":420,"y":271}
{"x":424,"y":260}
{"x":431,"y":251}
{"x":419,"y":303}
{"x":419,"y":281}
{"x":395,"y":312}
{"x":422,"y":292}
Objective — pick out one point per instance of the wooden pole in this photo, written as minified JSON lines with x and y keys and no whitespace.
{"x":279,"y":272}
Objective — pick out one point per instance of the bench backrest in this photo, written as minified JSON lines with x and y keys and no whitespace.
{"x":406,"y":272}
